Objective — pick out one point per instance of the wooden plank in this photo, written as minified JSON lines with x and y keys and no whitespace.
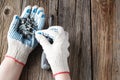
{"x":116,"y":42}
{"x":53,"y":10}
{"x":74,"y":16}
{"x":104,"y":36}
{"x":7,"y":10}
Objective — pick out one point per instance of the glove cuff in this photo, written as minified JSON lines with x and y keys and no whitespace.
{"x":59,"y":65}
{"x":15,"y":60}
{"x":18,"y":51}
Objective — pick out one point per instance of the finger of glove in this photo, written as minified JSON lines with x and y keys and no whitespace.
{"x":48,"y":33}
{"x":41,"y":21}
{"x":61,"y":38}
{"x":39,"y":10}
{"x":42,"y":40}
{"x":66,"y":43}
{"x":40,"y":18}
{"x":14,"y":24}
{"x":26,"y":12}
{"x":34,"y":11}
{"x":67,"y":39}
{"x":66,"y":52}
{"x":62,"y":35}
{"x":67,"y":35}
{"x":57,"y":29}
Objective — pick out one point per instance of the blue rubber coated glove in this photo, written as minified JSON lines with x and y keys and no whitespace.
{"x":19,"y":47}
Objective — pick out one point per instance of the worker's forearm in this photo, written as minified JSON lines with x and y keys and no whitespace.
{"x":10,"y":70}
{"x":62,"y":77}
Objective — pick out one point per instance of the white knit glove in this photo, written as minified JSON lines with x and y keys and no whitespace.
{"x":18,"y":47}
{"x":56,"y":53}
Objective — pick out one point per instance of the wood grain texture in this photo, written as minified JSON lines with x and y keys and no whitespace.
{"x":94,"y":31}
{"x":116,"y":42}
{"x":105,"y":39}
{"x":7,"y":10}
{"x":74,"y":16}
{"x":53,"y":10}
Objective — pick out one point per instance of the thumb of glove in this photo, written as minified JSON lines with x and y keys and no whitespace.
{"x":42,"y":40}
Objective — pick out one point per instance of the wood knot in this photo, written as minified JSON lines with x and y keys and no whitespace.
{"x":7,"y":11}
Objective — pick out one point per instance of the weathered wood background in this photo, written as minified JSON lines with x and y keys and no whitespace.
{"x":94,"y":30}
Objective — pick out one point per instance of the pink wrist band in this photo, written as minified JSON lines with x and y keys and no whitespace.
{"x":15,"y":60}
{"x":66,"y":72}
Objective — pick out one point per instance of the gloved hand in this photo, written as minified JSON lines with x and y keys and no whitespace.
{"x":56,"y":53}
{"x":19,"y":47}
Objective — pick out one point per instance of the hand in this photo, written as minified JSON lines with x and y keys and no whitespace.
{"x":19,"y":47}
{"x":56,"y":53}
